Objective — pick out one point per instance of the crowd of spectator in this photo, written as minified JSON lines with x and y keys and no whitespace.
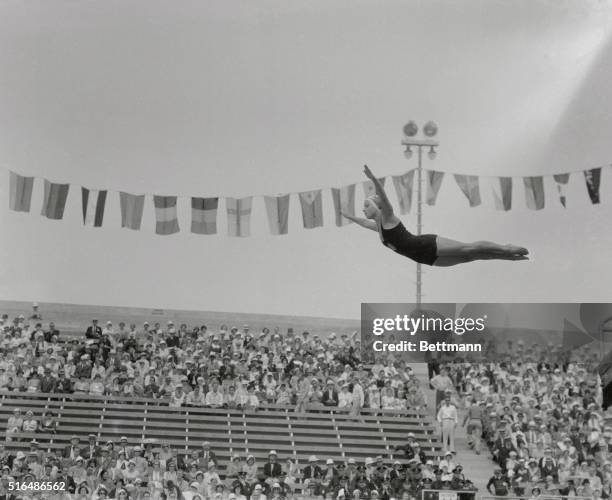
{"x":538,"y":411}
{"x":181,"y":366}
{"x":230,"y":367}
{"x":541,"y":420}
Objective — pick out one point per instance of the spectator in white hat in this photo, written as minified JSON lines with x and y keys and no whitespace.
{"x":250,"y":468}
{"x":312,"y":470}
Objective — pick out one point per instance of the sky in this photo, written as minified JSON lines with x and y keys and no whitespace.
{"x":237,"y":98}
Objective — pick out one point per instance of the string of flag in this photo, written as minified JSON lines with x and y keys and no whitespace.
{"x":204,"y":210}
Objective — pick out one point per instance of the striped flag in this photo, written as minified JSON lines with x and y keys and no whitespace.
{"x":369,"y":189}
{"x":165,"y":215}
{"x":403,"y":188}
{"x":470,"y":188}
{"x":131,"y":210}
{"x":312,"y":208}
{"x":534,"y":192}
{"x":502,"y":192}
{"x":54,"y":200}
{"x":434,"y":181}
{"x":20,"y":198}
{"x":592,"y":178}
{"x":561,"y":180}
{"x":93,"y":206}
{"x":278,"y":213}
{"x":239,"y":216}
{"x":204,"y":215}
{"x":344,"y":201}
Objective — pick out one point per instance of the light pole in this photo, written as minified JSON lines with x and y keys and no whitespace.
{"x":430,"y":129}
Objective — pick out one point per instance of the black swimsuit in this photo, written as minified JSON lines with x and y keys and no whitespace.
{"x":422,"y":249}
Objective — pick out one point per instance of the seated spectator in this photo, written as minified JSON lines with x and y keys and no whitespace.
{"x":251,"y":470}
{"x":30,"y":424}
{"x":48,"y":423}
{"x":14,"y":424}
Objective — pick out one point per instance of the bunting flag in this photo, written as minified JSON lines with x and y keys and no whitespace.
{"x":534,"y":192}
{"x":131,"y":210}
{"x":470,"y":187}
{"x":93,"y":206}
{"x":502,"y":192}
{"x":204,"y":211}
{"x":434,"y":181}
{"x":165,"y":215}
{"x":561,"y":180}
{"x":593,"y":179}
{"x":312,"y":208}
{"x":277,"y":208}
{"x":403,"y":188}
{"x":344,"y":201}
{"x":369,"y":189}
{"x":239,"y":216}
{"x":54,"y":200}
{"x":20,"y":198}
{"x":204,"y":215}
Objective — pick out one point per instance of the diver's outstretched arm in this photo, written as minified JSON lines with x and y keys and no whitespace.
{"x":368,"y":224}
{"x":385,"y":205}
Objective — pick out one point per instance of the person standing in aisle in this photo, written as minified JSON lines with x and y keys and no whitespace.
{"x":473,"y":419}
{"x":442,"y":383}
{"x":447,"y":417}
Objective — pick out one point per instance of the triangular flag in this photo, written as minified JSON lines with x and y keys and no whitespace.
{"x":93,"y":206}
{"x":131,"y":210}
{"x":470,"y":188}
{"x":434,"y":181}
{"x":561,"y":180}
{"x":593,"y":179}
{"x":204,"y":215}
{"x":403,"y":188}
{"x":534,"y":192}
{"x":165,"y":215}
{"x":312,"y":208}
{"x":369,"y":189}
{"x":344,"y":201}
{"x":502,"y":192}
{"x":54,"y":200}
{"x":277,"y":208}
{"x":239,"y":216}
{"x":20,"y":198}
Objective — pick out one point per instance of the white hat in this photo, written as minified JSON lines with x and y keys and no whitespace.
{"x":312,"y":458}
{"x":329,"y":461}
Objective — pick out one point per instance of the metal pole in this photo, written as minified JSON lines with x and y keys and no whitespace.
{"x":419,"y":223}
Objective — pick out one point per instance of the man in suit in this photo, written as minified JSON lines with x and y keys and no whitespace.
{"x":207,"y":455}
{"x":73,"y":450}
{"x":272,"y":469}
{"x":330,"y":395}
{"x":92,"y":450}
{"x":94,"y":331}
